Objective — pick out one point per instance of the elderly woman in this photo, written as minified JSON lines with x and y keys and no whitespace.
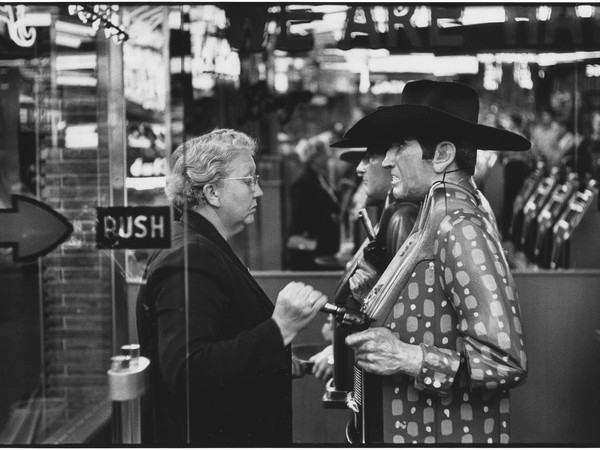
{"x":221,"y":365}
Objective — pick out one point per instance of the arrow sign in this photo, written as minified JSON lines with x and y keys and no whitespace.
{"x":32,"y":228}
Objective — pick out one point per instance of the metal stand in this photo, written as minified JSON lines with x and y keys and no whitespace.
{"x":128,"y":381}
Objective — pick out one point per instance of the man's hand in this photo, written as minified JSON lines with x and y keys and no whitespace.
{"x":323,"y":363}
{"x":362,"y":281}
{"x":378,"y":351}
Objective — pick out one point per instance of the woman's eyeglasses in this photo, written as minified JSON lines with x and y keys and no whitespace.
{"x":251,"y":180}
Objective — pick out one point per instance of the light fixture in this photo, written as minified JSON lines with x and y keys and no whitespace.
{"x":592,"y":70}
{"x":543,"y":13}
{"x":585,"y":11}
{"x":145,"y":183}
{"x":492,"y":76}
{"x":522,"y":75}
{"x":76,"y":62}
{"x":83,"y":136}
{"x":38,"y":19}
{"x":76,"y":80}
{"x":66,"y":40}
{"x":101,"y":16}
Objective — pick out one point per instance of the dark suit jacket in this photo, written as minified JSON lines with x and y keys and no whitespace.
{"x":239,"y":389}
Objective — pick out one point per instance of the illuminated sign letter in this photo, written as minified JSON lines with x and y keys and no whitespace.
{"x":360,"y":22}
{"x":436,"y":38}
{"x":510,"y":25}
{"x":563,"y":21}
{"x":291,"y":41}
{"x":397,"y":21}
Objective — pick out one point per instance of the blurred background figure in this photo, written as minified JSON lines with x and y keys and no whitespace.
{"x":574,"y":154}
{"x":517,"y":166}
{"x":588,"y":151}
{"x":567,"y":142}
{"x":544,"y":137}
{"x":315,"y":209}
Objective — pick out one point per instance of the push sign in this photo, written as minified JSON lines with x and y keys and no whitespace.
{"x":133,"y":227}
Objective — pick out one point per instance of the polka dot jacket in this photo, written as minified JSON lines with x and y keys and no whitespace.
{"x":458,"y":302}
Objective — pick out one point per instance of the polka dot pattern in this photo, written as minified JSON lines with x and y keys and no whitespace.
{"x":460,"y":305}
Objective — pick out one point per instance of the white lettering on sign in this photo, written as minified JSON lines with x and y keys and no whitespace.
{"x":522,"y":26}
{"x":157,"y":224}
{"x":141,"y":226}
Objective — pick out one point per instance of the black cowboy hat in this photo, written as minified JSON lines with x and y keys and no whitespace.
{"x":440,"y":107}
{"x":355,"y":151}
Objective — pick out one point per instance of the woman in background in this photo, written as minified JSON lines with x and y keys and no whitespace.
{"x":315,"y":209}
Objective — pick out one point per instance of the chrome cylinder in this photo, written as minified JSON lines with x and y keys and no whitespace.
{"x":127,"y":382}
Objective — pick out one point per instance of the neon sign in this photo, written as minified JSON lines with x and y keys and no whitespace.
{"x":437,"y":29}
{"x":14,"y":16}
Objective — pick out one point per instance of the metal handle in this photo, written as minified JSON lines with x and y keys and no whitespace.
{"x":348,"y":318}
{"x":367,"y":224}
{"x":127,"y":383}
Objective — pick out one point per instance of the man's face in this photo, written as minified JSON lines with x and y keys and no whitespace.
{"x":412,"y":176}
{"x":375,"y":177}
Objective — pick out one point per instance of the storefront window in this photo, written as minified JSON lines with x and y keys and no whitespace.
{"x":58,"y":313}
{"x":147,"y":96}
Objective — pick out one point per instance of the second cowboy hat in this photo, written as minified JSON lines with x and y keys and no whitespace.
{"x":355,"y":155}
{"x":357,"y":150}
{"x":435,"y":106}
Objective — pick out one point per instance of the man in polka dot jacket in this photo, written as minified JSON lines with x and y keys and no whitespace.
{"x":446,"y":344}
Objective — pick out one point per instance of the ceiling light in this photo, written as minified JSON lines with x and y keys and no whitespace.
{"x":75,"y":29}
{"x":67,"y":40}
{"x":75,"y":62}
{"x":37,"y":19}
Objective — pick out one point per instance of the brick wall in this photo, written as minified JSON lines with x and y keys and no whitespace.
{"x":77,"y":323}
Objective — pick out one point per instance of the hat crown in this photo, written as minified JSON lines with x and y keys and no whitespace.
{"x":448,"y":109}
{"x":452,"y":98}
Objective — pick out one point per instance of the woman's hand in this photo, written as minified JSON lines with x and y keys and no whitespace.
{"x":297,"y":304}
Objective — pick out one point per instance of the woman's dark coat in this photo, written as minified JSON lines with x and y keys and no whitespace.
{"x":238,"y":391}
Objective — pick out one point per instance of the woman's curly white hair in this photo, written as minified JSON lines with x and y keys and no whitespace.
{"x":203,"y":160}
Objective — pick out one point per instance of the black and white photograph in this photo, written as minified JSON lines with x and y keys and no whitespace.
{"x":254,"y":224}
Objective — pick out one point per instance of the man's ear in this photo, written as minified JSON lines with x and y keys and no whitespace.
{"x":211,"y":195}
{"x":445,"y":153}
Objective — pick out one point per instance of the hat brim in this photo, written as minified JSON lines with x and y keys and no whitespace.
{"x":370,"y":145}
{"x":353,"y":156}
{"x":401,"y":121}
{"x":347,"y":143}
